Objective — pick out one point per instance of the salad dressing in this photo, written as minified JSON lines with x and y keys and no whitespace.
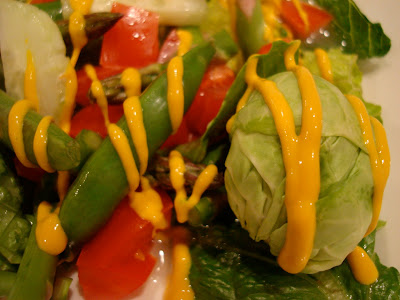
{"x":185,"y":41}
{"x":177,"y":171}
{"x":178,"y":285}
{"x":175,"y":95}
{"x":363,"y":268}
{"x":40,"y":144}
{"x":300,"y":156}
{"x":30,"y":91}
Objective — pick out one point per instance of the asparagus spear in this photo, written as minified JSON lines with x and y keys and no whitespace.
{"x":62,"y":150}
{"x":192,"y":171}
{"x":36,"y":272}
{"x":96,"y":25}
{"x":114,"y":90}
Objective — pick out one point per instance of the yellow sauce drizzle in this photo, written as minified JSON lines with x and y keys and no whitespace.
{"x":40,"y":144}
{"x":121,"y":145}
{"x":175,"y":95}
{"x":185,"y":41}
{"x":378,"y":153}
{"x":178,"y":286}
{"x":98,"y":92}
{"x":148,"y":205}
{"x":232,"y":17}
{"x":30,"y":90}
{"x":300,"y":156}
{"x":15,"y":126}
{"x":324,"y":64}
{"x":134,"y":118}
{"x":49,"y":232}
{"x":131,"y":81}
{"x":50,"y":236}
{"x":302,"y":14}
{"x":177,"y":172}
{"x":363,"y":268}
{"x":270,"y":11}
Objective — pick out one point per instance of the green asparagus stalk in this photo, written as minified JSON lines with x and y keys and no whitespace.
{"x":102,"y":182}
{"x":61,"y":288}
{"x":96,"y":25}
{"x":62,"y":150}
{"x":160,"y":169}
{"x":114,"y":90}
{"x":7,"y":280}
{"x":35,"y":276}
{"x":89,"y":141}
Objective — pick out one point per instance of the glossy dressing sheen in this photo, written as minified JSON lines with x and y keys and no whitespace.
{"x":362,"y":266}
{"x":300,"y":156}
{"x":50,"y":236}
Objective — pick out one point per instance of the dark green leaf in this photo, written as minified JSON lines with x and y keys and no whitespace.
{"x":354,"y":31}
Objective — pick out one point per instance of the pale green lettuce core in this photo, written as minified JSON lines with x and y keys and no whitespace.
{"x":255,"y":174}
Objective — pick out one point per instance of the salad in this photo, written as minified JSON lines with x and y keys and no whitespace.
{"x":228,"y":143}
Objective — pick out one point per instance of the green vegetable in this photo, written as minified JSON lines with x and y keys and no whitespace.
{"x":89,"y":141}
{"x":344,"y":207}
{"x":227,"y":264}
{"x":250,"y":29}
{"x":346,"y":75}
{"x":354,"y":31}
{"x":62,"y":150}
{"x":53,"y":9}
{"x":35,"y":274}
{"x":7,"y":280}
{"x":96,"y":25}
{"x":102,"y":182}
{"x":61,"y":288}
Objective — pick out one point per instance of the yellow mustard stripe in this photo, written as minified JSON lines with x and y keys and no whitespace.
{"x":134,"y":118}
{"x":78,"y":34}
{"x":362,"y":267}
{"x":40,"y":144}
{"x":30,"y":90}
{"x":185,"y":41}
{"x":50,"y":236}
{"x":302,"y":14}
{"x":82,"y":6}
{"x":175,"y":94}
{"x":121,"y":145}
{"x":132,"y":82}
{"x":62,"y":184}
{"x":324,"y":64}
{"x":69,"y":102}
{"x":148,"y":205}
{"x":98,"y":92}
{"x":15,"y":130}
{"x":380,"y":160}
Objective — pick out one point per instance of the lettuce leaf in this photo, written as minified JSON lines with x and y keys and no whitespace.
{"x":346,"y":75}
{"x":354,"y":31}
{"x":227,"y":264}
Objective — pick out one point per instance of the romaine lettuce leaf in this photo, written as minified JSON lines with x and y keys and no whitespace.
{"x":227,"y":264}
{"x":354,"y":31}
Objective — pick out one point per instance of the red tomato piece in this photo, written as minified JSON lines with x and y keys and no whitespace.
{"x":213,"y":88}
{"x":317,"y":18}
{"x":133,"y":40}
{"x":91,"y":117}
{"x":182,"y":136}
{"x":117,"y":261}
{"x":267,"y":47}
{"x":32,"y":174}
{"x":84,"y":81}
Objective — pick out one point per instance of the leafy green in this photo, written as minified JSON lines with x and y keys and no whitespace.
{"x":346,"y":75}
{"x":227,"y":264}
{"x":354,"y":31}
{"x":344,"y":207}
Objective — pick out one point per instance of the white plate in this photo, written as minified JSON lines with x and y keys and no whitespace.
{"x":381,"y":84}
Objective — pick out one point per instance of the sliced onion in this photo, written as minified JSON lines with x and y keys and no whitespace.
{"x":23,"y":27}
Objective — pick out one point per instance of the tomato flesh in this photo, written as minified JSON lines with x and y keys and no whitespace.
{"x":117,"y":261}
{"x":133,"y":40}
{"x":91,"y":118}
{"x":317,"y":18}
